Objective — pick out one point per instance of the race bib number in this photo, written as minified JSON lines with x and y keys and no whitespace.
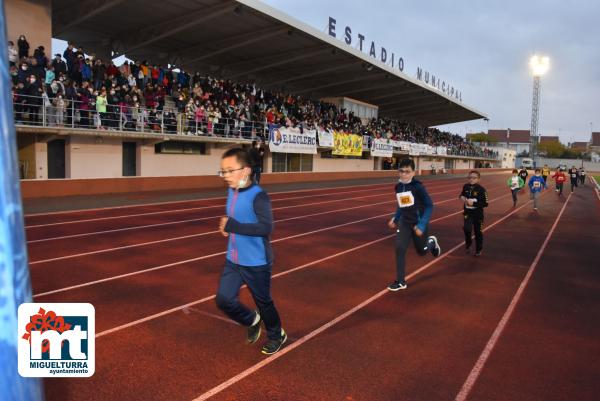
{"x":537,"y":184}
{"x":405,"y":199}
{"x":573,"y":175}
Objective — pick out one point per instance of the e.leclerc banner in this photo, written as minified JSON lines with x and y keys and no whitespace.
{"x":291,"y":140}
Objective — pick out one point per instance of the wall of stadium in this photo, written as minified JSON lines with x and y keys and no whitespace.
{"x":324,"y":164}
{"x":153,"y":164}
{"x":31,"y":18}
{"x":88,"y":157}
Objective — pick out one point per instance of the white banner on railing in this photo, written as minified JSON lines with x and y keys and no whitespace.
{"x":326,"y":139}
{"x":403,"y":145}
{"x":382,"y":148}
{"x":442,"y":150}
{"x":291,"y":140}
{"x":414,"y":149}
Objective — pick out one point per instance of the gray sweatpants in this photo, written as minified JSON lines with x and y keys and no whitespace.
{"x":534,"y":196}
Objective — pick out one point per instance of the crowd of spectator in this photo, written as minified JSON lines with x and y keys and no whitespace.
{"x":79,"y":90}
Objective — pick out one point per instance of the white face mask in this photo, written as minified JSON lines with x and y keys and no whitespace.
{"x":242,"y":182}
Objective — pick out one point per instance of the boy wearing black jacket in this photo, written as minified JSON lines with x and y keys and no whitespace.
{"x":523,"y":174}
{"x":411,"y":221}
{"x":475,"y":198}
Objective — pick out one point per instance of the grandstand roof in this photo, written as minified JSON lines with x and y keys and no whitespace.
{"x":246,"y":40}
{"x":516,"y":135}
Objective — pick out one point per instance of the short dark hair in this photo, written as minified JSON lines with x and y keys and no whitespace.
{"x":475,"y":172}
{"x":241,"y":155}
{"x":537,"y":170}
{"x":515,"y":171}
{"x":406,"y":163}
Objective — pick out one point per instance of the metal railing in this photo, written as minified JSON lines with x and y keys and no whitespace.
{"x":65,"y":113}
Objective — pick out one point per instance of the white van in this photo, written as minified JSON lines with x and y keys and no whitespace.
{"x":527,"y":162}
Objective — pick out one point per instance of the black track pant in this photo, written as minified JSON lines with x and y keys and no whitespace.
{"x":404,"y":234}
{"x":474,"y":220}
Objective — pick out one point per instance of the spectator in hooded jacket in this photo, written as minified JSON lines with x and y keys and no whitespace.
{"x":23,"y":46}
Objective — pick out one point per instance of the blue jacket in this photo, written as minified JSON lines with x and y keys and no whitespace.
{"x":249,"y":226}
{"x":537,"y":188}
{"x":417,"y":205}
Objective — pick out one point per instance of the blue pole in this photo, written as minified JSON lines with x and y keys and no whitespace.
{"x":15,"y":285}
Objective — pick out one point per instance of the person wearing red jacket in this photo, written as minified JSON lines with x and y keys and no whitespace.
{"x":560,"y":179}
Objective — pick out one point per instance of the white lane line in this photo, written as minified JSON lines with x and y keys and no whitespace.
{"x":489,"y":347}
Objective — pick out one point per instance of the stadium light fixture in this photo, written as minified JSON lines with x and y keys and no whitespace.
{"x":539,"y":65}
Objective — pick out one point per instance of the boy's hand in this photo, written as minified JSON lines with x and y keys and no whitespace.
{"x":391,"y":224}
{"x":470,"y":202}
{"x":222,"y":224}
{"x":417,"y":231}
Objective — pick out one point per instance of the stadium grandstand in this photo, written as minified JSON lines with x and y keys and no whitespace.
{"x":204,"y":75}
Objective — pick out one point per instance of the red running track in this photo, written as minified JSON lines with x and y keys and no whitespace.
{"x":160,"y":336}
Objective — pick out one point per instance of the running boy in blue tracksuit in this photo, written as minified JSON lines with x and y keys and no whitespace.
{"x":411,"y":221}
{"x":536,"y":185}
{"x":248,"y":225}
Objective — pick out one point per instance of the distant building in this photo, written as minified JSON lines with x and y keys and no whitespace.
{"x":518,"y":140}
{"x":580,"y":146}
{"x":595,"y":142}
{"x":549,"y":139}
{"x":506,"y":155}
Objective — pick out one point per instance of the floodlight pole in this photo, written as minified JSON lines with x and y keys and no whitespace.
{"x":535,"y":110}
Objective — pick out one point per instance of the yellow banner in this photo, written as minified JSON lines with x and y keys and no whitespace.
{"x":347,"y":144}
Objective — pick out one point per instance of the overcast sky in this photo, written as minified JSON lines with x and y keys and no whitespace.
{"x":483,"y":49}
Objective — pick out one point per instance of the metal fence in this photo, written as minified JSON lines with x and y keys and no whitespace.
{"x":64,"y":113}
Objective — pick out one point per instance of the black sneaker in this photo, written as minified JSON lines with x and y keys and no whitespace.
{"x":272,"y":346}
{"x":468,"y":250}
{"x":435,"y":249}
{"x":478,"y":253}
{"x":254,"y":330}
{"x":396,"y":285}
